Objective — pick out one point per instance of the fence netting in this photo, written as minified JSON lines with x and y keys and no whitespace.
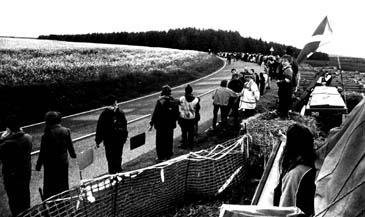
{"x":153,"y":190}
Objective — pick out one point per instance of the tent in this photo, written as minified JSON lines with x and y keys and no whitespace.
{"x":340,"y":184}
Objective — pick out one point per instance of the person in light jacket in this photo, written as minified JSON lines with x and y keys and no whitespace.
{"x":189,"y":116}
{"x":221,"y":99}
{"x":250,"y":95}
{"x":55,"y":143}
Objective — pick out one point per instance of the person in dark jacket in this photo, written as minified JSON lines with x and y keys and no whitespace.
{"x":236,"y":85}
{"x":15,"y":148}
{"x":164,"y":119}
{"x":285,"y":90}
{"x":297,"y":171}
{"x":55,"y":143}
{"x":262,"y":84}
{"x":189,"y":116}
{"x":112,"y":130}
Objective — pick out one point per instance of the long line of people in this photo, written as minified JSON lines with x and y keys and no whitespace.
{"x":237,"y":97}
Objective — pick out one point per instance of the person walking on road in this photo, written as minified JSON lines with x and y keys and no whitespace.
{"x":221,"y":99}
{"x":55,"y":143}
{"x":189,"y":116}
{"x":164,"y":119}
{"x":15,"y":148}
{"x":112,"y":130}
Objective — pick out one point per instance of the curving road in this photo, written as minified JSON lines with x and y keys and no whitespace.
{"x":138,"y":115}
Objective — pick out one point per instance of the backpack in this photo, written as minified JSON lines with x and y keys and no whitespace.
{"x":170,"y":108}
{"x":187,"y":109}
{"x":118,"y":126}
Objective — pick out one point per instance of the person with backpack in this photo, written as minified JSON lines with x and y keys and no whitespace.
{"x":112,"y":130}
{"x":164,"y":119}
{"x":189,"y":116}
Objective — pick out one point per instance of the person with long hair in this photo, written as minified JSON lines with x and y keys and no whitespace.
{"x":297,"y":171}
{"x":55,"y":143}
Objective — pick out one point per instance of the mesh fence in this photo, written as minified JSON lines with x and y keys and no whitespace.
{"x":152,"y":190}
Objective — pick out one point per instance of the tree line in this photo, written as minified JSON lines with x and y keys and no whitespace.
{"x":186,"y":39}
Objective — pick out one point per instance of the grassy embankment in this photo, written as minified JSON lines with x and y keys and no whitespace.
{"x":41,"y":75}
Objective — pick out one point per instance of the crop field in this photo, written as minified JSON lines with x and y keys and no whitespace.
{"x":74,"y":77}
{"x":32,"y":61}
{"x":347,"y":63}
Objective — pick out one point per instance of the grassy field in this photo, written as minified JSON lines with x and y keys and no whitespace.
{"x":347,"y":63}
{"x":75,"y":77}
{"x":30,"y":61}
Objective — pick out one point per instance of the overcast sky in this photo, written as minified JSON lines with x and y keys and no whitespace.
{"x":290,"y":22}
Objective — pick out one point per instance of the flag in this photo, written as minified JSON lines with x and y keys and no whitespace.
{"x":318,"y":39}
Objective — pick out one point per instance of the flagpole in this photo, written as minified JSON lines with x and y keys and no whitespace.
{"x":343,"y":85}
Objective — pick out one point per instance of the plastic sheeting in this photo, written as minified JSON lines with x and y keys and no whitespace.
{"x":228,"y":210}
{"x":340,"y":184}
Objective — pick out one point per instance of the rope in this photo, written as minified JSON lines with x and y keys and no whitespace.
{"x":340,"y":198}
{"x":222,"y":153}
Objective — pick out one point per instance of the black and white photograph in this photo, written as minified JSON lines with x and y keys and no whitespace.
{"x":190,"y":108}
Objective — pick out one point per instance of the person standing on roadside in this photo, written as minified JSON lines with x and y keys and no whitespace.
{"x":285,"y":90}
{"x":112,"y":130}
{"x":15,"y":148}
{"x":221,"y":99}
{"x":294,"y":65}
{"x":189,"y":116}
{"x":236,"y":85}
{"x":55,"y":143}
{"x":250,"y":95}
{"x":164,"y":119}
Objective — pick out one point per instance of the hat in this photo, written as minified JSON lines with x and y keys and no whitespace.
{"x":166,"y":90}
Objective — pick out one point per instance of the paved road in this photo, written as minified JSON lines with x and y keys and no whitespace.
{"x":134,"y":109}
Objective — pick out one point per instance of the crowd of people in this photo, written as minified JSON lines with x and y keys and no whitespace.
{"x":236,"y":98}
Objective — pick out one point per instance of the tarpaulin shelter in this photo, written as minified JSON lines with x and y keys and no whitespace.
{"x":340,"y":184}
